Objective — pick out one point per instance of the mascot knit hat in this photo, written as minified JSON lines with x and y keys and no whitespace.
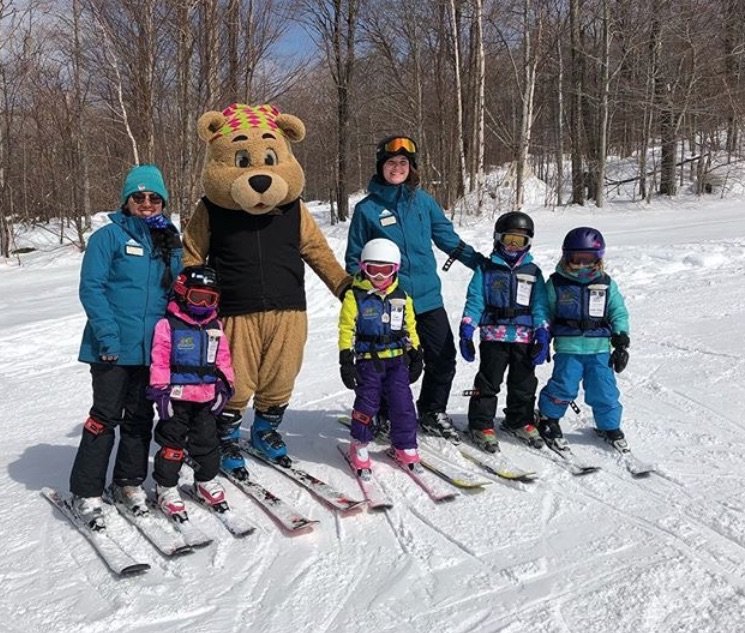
{"x":240,"y":116}
{"x":144,"y":178}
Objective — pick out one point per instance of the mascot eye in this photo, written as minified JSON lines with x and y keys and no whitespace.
{"x":242,"y":159}
{"x":270,"y":158}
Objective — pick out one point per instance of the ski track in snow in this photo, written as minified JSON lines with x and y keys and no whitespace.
{"x":599,"y":553}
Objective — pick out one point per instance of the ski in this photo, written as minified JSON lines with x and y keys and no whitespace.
{"x":193,"y":536}
{"x":635,"y":466}
{"x":493,"y":463}
{"x":449,"y":471}
{"x":433,"y":460}
{"x":429,"y":482}
{"x":235,"y":522}
{"x":566,"y":459}
{"x":496,"y":464}
{"x":118,"y":560}
{"x":282,"y":513}
{"x":322,"y":490}
{"x":375,"y":496}
{"x":154,"y":527}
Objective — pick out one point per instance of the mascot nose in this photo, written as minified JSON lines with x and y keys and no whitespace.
{"x":260,"y":183}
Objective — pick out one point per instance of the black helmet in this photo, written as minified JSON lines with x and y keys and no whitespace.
{"x":197,"y":290}
{"x":395,"y":146}
{"x":512,"y":221}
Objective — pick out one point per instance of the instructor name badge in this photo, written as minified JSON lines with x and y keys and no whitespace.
{"x":386,"y":218}
{"x":133,"y":248}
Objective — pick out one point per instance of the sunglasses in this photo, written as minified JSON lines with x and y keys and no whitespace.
{"x":400,"y":143}
{"x":140,"y":197}
{"x":202,"y":297}
{"x":378,"y":270}
{"x":517,"y":240}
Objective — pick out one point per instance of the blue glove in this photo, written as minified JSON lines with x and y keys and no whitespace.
{"x":539,"y":351}
{"x":161,"y":396}
{"x":467,"y":349}
{"x":223,"y":393}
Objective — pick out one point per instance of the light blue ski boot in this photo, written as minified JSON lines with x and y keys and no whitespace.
{"x":229,"y":432}
{"x":264,"y":435}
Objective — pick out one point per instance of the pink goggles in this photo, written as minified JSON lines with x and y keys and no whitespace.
{"x":379,"y":270}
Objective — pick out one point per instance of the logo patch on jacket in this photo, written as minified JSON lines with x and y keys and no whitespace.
{"x":186,"y":343}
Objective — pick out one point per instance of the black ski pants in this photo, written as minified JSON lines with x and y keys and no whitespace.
{"x":497,"y":358}
{"x":192,"y":428}
{"x":118,"y":401}
{"x":438,"y":346}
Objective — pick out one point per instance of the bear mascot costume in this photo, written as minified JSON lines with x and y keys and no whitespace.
{"x":253,"y":228}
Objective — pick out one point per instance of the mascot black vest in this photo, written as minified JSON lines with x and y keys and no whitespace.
{"x":257,"y":258}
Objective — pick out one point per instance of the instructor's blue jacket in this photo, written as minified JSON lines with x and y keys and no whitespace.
{"x":413,"y":220}
{"x":121,"y":292}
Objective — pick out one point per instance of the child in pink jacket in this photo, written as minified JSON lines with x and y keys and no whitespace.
{"x":191,"y":381}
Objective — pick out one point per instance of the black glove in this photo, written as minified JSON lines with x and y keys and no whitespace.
{"x":619,"y":358}
{"x":347,"y":369}
{"x":416,"y":364}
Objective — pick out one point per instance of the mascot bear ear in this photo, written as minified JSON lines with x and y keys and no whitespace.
{"x":293,"y":128}
{"x":209,"y":123}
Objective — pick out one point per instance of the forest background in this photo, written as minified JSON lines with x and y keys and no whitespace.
{"x":551,"y":87}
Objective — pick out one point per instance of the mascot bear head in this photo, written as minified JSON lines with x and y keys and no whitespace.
{"x":249,"y":164}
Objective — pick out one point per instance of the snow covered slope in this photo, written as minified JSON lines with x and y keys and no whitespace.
{"x":600,"y":553}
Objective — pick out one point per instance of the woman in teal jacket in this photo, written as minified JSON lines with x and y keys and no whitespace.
{"x":125,"y":281}
{"x":396,"y":208}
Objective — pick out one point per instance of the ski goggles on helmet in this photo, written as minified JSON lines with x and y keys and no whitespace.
{"x":515,"y":240}
{"x":379,"y":270}
{"x":202,"y":297}
{"x":398,"y":144}
{"x":139,"y":197}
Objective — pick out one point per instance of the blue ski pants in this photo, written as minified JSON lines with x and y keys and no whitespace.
{"x":598,"y":381}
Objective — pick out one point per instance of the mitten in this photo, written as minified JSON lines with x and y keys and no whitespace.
{"x":347,"y":369}
{"x":539,"y":350}
{"x":467,"y":349}
{"x":223,"y":393}
{"x":619,"y":358}
{"x":161,"y":396}
{"x":416,"y":364}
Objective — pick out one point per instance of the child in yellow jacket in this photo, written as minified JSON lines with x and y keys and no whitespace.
{"x":379,"y":353}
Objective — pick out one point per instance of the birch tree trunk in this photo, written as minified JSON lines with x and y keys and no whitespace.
{"x":455,"y":34}
{"x":578,"y":190}
{"x":479,"y":144}
{"x":603,"y":114}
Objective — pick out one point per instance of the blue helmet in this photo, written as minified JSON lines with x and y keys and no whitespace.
{"x":584,"y":239}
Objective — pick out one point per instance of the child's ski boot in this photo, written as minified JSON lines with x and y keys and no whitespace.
{"x":438,"y":423}
{"x":359,"y":456}
{"x":526,"y":433}
{"x":132,"y":497}
{"x":614,"y":437}
{"x":229,"y":430}
{"x":212,"y":493}
{"x":408,"y":457}
{"x":485,"y":439}
{"x":550,"y":431}
{"x":170,"y":502}
{"x":90,"y":511}
{"x":266,"y":439}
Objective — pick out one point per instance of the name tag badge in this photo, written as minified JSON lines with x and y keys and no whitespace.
{"x":524,"y":289}
{"x":134,"y":249}
{"x":387,"y":220}
{"x":397,"y":314}
{"x":177,"y":392}
{"x":597,"y":301}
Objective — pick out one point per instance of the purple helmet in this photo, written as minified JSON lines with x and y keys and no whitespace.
{"x":584,"y":239}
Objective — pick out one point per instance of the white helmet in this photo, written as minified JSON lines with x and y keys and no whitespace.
{"x":381,"y":250}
